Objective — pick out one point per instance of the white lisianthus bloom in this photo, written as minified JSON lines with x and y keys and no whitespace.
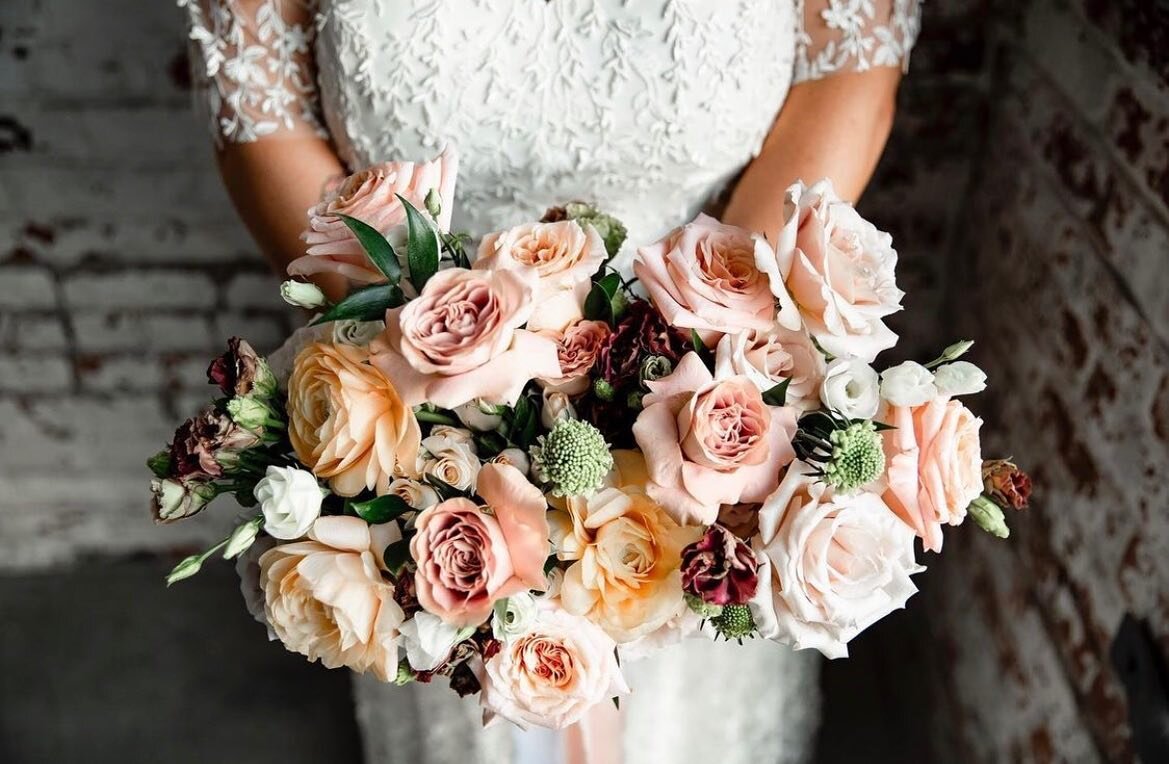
{"x":290,"y":499}
{"x":429,"y":640}
{"x":415,"y":493}
{"x":960,"y":378}
{"x":852,"y":388}
{"x":516,"y":457}
{"x":908,"y":384}
{"x":556,"y":406}
{"x":479,"y":415}
{"x":448,"y":454}
{"x":513,"y":615}
{"x":357,"y":333}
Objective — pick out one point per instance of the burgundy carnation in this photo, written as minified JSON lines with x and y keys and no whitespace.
{"x":1006,"y":484}
{"x":199,"y":441}
{"x":719,"y":568}
{"x":640,"y":333}
{"x":238,"y":370}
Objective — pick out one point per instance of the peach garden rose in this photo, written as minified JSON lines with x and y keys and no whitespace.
{"x":767,"y":358}
{"x":578,"y":348}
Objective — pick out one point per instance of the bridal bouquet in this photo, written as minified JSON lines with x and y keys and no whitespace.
{"x":505,"y":470}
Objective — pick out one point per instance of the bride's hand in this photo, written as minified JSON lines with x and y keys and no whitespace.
{"x":829,"y":128}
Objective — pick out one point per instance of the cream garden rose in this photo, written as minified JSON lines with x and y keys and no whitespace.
{"x":290,"y":500}
{"x":347,"y":422}
{"x":832,"y":564}
{"x":461,"y":340}
{"x":448,"y":454}
{"x":326,"y":598}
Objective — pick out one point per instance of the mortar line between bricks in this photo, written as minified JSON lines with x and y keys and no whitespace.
{"x":1140,"y":72}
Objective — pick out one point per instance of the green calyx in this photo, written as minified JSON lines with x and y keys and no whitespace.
{"x":857,"y":457}
{"x":734,"y":622}
{"x":573,"y":459}
{"x":704,"y":609}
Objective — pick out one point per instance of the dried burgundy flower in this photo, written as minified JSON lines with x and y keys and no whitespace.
{"x":640,"y":333}
{"x":200,"y":442}
{"x":240,"y":371}
{"x":1006,"y":484}
{"x":720,"y":568}
{"x":464,"y":681}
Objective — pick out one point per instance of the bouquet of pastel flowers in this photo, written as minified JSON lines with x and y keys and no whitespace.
{"x":507,"y":471}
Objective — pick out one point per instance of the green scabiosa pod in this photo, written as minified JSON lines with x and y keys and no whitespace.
{"x":857,"y":457}
{"x":734,"y":622}
{"x":573,"y":459}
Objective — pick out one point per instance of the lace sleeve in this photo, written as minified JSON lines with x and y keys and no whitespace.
{"x":835,"y":36}
{"x":252,"y":65}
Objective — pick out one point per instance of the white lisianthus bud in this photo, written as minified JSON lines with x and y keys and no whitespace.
{"x":417,"y":494}
{"x":185,"y":569}
{"x":556,"y":406}
{"x":957,"y":350}
{"x":429,"y":640}
{"x":174,"y":499}
{"x":242,"y":538}
{"x":480,"y":416}
{"x":908,"y":384}
{"x":302,"y":294}
{"x":851,"y":388}
{"x":960,"y":378}
{"x":290,"y":499}
{"x":356,"y":333}
{"x":513,"y":616}
{"x":516,"y":458}
{"x":250,"y":413}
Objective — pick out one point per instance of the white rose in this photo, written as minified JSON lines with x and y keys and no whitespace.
{"x":357,"y":333}
{"x":429,"y":640}
{"x":417,"y":494}
{"x":480,"y":415}
{"x":516,"y":458}
{"x":960,"y":378}
{"x":832,"y":565}
{"x":908,"y":384}
{"x":448,"y":454}
{"x":771,"y":357}
{"x":513,"y":615}
{"x":290,"y":499}
{"x":556,"y":406}
{"x":851,"y":387}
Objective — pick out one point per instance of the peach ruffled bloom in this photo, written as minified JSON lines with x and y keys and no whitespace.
{"x":709,"y":441}
{"x":935,"y":465}
{"x":347,"y":422}
{"x":461,"y":340}
{"x":326,"y":598}
{"x":468,"y":558}
{"x":371,"y":197}
{"x":577,"y":347}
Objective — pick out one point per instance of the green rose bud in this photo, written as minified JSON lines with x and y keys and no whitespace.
{"x":252,"y":413}
{"x":433,"y":203}
{"x":989,"y":517}
{"x":604,"y":390}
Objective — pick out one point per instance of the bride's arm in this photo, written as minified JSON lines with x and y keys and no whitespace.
{"x":837,"y":116}
{"x":253,"y":66}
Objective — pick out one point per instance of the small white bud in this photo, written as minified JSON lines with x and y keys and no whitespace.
{"x":302,"y":294}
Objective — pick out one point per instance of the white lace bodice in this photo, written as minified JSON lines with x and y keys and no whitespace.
{"x":646,"y":108}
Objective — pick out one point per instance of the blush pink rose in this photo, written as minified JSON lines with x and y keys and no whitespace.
{"x":935,"y":465}
{"x":468,"y":558}
{"x":460,"y":340}
{"x":578,"y":347}
{"x":563,"y":255}
{"x":768,"y":358}
{"x":709,"y":442}
{"x":839,"y":269}
{"x":371,"y":197}
{"x":704,"y":276}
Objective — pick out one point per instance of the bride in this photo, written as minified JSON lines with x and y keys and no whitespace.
{"x":655,"y":109}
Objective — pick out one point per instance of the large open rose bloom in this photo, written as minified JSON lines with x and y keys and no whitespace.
{"x":767,"y":358}
{"x":934,"y":458}
{"x":552,"y":674}
{"x":371,"y":197}
{"x":703,"y":276}
{"x":468,"y":558}
{"x":626,"y":551}
{"x":710,"y":441}
{"x":832,"y":565}
{"x":461,"y":340}
{"x":839,"y":269}
{"x":326,"y":598}
{"x":562,"y":255}
{"x":347,"y":422}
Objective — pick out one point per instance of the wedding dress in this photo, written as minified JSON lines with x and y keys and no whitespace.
{"x":648,"y":108}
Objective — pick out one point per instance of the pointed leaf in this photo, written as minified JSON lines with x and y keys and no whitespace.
{"x":376,"y":247}
{"x":381,"y":510}
{"x":397,"y":556}
{"x":365,"y":304}
{"x":777,"y":396}
{"x":422,"y":249}
{"x":598,"y":305}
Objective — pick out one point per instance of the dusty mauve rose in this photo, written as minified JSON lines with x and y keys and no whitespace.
{"x":768,"y":358}
{"x":346,"y":421}
{"x":201,"y":439}
{"x":839,"y":269}
{"x":625,"y":551}
{"x":719,"y":568}
{"x":832,"y":565}
{"x":710,"y":441}
{"x":551,"y":675}
{"x":563,"y":256}
{"x":703,"y":276}
{"x":1006,"y":484}
{"x":468,"y":558}
{"x":935,"y":465}
{"x":370,"y":196}
{"x":240,"y":370}
{"x":578,"y":347}
{"x":326,"y":598}
{"x":460,"y":340}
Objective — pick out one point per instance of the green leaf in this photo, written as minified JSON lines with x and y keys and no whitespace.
{"x":365,"y":304}
{"x":422,"y":248}
{"x":610,"y":282}
{"x":376,"y":247}
{"x":160,"y":464}
{"x":489,"y":443}
{"x":381,"y":510}
{"x":444,"y":489}
{"x":881,"y":426}
{"x":603,"y":299}
{"x":696,"y":341}
{"x":524,"y":420}
{"x":777,"y":396}
{"x":397,"y":556}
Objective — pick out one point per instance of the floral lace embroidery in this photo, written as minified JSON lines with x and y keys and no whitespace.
{"x":252,"y":62}
{"x":853,"y":35}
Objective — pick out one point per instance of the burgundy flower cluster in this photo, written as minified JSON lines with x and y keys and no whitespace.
{"x":720,"y":568}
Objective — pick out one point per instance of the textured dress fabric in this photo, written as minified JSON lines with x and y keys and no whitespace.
{"x":650,"y":108}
